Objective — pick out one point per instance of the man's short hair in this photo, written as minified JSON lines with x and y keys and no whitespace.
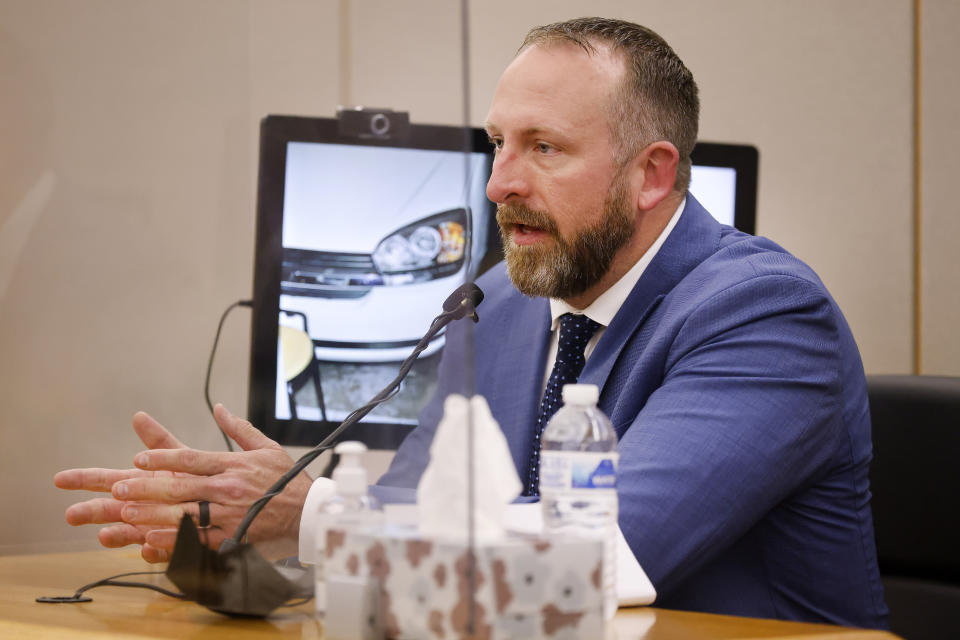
{"x":658,"y":97}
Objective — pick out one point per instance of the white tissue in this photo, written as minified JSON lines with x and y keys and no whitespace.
{"x":442,"y":495}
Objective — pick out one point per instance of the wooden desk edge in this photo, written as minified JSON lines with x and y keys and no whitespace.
{"x":121,"y":613}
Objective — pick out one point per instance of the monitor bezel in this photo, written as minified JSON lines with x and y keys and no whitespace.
{"x":276,"y":131}
{"x":745,"y":160}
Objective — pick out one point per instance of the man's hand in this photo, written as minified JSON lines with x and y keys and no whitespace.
{"x":230,"y":482}
{"x":108,"y":510}
{"x":172,"y":479}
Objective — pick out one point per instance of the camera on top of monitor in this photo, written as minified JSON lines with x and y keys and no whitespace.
{"x":368,"y":122}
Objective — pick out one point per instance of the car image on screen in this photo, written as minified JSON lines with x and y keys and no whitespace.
{"x":374,"y":239}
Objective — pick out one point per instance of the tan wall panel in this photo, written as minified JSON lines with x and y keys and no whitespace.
{"x":941,"y":213}
{"x":406,"y":55}
{"x":127,"y":182}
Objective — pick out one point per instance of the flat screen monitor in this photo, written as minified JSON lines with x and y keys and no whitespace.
{"x":360,"y":239}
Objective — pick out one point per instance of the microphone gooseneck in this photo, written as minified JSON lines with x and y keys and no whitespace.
{"x":460,"y":304}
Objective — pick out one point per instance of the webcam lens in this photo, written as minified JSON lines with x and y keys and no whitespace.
{"x":379,"y":124}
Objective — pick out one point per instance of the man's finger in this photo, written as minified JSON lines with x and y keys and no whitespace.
{"x":168,"y":489}
{"x":120,"y":535}
{"x":167,"y":514}
{"x":241,"y":431}
{"x":166,"y":538}
{"x":154,"y":555}
{"x":192,"y":461}
{"x":94,"y":479}
{"x":96,"y":511}
{"x":161,"y":538}
{"x":152,"y":433}
{"x":152,"y":514}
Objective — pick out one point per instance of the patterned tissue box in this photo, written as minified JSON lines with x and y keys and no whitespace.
{"x":526,"y":586}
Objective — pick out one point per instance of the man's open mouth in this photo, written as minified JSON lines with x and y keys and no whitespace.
{"x":525,"y":229}
{"x":525,"y":234}
{"x":523,"y":226}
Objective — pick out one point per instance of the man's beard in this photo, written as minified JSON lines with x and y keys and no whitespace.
{"x":565,"y":268}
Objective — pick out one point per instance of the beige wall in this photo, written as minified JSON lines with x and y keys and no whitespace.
{"x":128,"y":159}
{"x":940,"y":266}
{"x":128,"y":139}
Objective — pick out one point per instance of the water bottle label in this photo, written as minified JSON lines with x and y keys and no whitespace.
{"x":566,"y":470}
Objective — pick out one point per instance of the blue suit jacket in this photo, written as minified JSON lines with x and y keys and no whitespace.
{"x":739,"y":398}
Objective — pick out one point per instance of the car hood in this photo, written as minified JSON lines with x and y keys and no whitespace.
{"x":347,"y":199}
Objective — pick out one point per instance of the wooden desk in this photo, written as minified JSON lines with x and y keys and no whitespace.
{"x":139,"y":613}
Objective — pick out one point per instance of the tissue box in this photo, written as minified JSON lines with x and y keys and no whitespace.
{"x":526,"y":586}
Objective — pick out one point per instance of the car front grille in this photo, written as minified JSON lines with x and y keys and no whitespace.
{"x":323,"y":274}
{"x":304,"y":260}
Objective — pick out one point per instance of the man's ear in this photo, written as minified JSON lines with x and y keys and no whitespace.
{"x":652,"y":174}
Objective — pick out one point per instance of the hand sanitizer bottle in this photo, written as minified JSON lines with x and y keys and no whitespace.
{"x":351,"y":506}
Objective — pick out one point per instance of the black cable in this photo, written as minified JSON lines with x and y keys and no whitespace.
{"x":213,"y":351}
{"x":113,"y":582}
{"x":331,"y":465}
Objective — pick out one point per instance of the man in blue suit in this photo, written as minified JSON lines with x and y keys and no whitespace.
{"x":729,"y":373}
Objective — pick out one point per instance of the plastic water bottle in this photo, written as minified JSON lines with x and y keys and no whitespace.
{"x":578,"y":487}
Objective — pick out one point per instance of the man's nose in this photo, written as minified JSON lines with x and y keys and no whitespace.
{"x":507,"y":179}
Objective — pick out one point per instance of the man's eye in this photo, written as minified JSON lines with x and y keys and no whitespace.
{"x":497,"y":143}
{"x":543,"y":147}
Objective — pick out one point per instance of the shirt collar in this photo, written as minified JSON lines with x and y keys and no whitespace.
{"x":609,"y":302}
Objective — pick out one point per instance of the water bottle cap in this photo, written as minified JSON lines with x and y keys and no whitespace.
{"x":581,"y":394}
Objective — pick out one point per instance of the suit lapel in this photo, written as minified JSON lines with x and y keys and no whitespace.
{"x":696,"y":236}
{"x":515,"y":378}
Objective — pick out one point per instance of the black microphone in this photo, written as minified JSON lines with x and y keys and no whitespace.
{"x":237,"y":580}
{"x":464,"y":301}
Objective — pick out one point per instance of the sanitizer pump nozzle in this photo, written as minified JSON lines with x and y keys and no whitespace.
{"x":350,"y":476}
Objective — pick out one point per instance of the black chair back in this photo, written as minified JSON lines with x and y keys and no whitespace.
{"x":915,"y":480}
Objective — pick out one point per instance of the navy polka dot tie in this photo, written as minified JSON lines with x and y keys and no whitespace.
{"x":575,"y":333}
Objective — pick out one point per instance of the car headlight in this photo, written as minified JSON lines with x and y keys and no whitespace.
{"x":434,"y":245}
